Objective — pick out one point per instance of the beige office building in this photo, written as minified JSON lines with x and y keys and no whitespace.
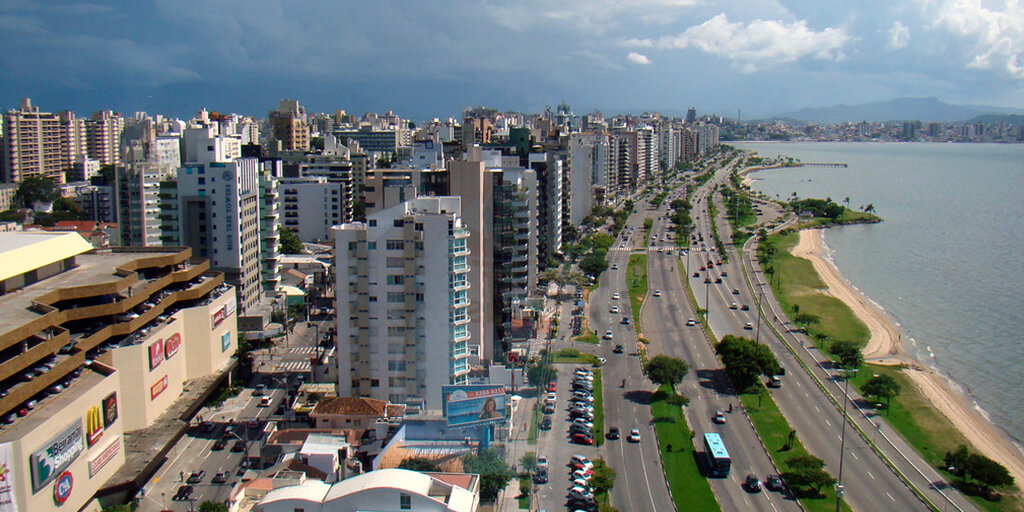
{"x":40,"y":143}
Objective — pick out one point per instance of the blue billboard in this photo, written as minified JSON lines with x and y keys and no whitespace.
{"x":474,"y":404}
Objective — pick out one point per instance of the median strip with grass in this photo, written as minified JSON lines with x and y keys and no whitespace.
{"x":636,"y":280}
{"x":690,"y":490}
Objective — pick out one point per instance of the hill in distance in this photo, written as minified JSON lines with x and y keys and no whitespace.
{"x":908,"y":109}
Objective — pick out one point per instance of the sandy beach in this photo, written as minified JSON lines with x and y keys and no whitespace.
{"x":885,"y":347}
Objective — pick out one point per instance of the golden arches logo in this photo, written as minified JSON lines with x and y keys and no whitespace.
{"x":93,"y":424}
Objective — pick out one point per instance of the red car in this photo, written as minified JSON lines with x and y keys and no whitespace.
{"x":580,"y":438}
{"x":551,"y":387}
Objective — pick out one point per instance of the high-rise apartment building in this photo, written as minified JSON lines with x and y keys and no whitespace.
{"x":549,"y":204}
{"x":312,"y":206}
{"x":103,"y":137}
{"x":40,"y":143}
{"x":289,"y":126}
{"x":403,"y":298}
{"x":138,"y":203}
{"x":473,"y":184}
{"x":515,"y":248}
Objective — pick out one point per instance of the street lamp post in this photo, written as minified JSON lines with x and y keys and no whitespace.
{"x":842,"y":438}
{"x":760,"y":300}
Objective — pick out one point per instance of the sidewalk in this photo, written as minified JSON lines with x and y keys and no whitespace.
{"x":517,"y":445}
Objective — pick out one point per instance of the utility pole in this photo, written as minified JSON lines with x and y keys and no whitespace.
{"x":842,"y":438}
{"x":760,"y":300}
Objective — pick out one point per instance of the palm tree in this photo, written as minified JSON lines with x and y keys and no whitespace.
{"x":870,"y":208}
{"x":847,"y":201}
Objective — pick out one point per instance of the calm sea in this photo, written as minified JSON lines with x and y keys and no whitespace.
{"x":948,"y":261}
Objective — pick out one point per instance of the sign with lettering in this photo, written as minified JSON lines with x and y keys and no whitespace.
{"x":8,"y":499}
{"x":56,"y":455}
{"x":225,"y":341}
{"x":62,"y":489}
{"x":93,"y":425}
{"x":101,"y":459}
{"x":156,"y":354}
{"x":171,"y":345}
{"x":218,"y":317}
{"x":159,"y":387}
{"x":110,"y":409}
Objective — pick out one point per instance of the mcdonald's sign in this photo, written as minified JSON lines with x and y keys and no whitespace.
{"x":93,"y":425}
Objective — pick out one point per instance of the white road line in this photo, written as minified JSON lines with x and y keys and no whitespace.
{"x":828,"y":422}
{"x":816,"y":407}
{"x":872,"y":476}
{"x":855,"y":455}
{"x":890,"y":497}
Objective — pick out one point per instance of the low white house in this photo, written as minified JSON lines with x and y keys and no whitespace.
{"x":385,"y":490}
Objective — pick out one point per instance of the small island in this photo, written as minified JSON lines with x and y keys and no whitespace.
{"x":826,"y":212}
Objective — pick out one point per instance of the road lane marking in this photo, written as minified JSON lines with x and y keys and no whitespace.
{"x":828,"y":422}
{"x":890,"y":496}
{"x":855,"y":455}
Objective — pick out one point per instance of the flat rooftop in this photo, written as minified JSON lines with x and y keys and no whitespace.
{"x":53,"y":405}
{"x":91,"y":269}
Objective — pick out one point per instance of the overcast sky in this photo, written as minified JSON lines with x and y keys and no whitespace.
{"x":427,"y":58}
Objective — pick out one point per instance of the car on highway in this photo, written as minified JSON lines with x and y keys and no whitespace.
{"x":696,"y":274}
{"x":261,"y":389}
{"x":220,"y":477}
{"x":725,"y":274}
{"x":615,"y":266}
{"x":195,"y":477}
{"x":775,"y":483}
{"x":657,"y":293}
{"x":691,"y":322}
{"x":239,"y":446}
{"x":634,"y":436}
{"x":619,"y":349}
{"x":748,"y":326}
{"x":613,"y":433}
{"x":608,"y":334}
{"x":614,"y":309}
{"x":734,"y":306}
{"x":752,"y":483}
{"x":718,"y":280}
{"x":719,"y":417}
{"x":265,"y":401}
{"x":616,"y":296}
{"x":735,"y":291}
{"x":744,"y":307}
{"x":775,"y":382}
{"x":545,"y":424}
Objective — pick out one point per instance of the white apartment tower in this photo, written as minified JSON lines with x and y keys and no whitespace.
{"x":40,"y":143}
{"x":403,"y":303}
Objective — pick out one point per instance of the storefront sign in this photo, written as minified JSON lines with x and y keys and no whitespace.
{"x":101,"y":459}
{"x":218,"y":317}
{"x":229,"y":308}
{"x":8,"y":500}
{"x":156,"y":354}
{"x":62,"y":489}
{"x":93,"y":425}
{"x":225,"y":341}
{"x":56,"y":455}
{"x":171,"y":345}
{"x":109,"y":410}
{"x":159,"y":387}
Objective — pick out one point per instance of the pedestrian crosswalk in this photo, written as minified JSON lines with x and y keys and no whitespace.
{"x":303,"y":350}
{"x":293,"y":366}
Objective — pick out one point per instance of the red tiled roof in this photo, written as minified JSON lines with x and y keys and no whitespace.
{"x":351,"y":406}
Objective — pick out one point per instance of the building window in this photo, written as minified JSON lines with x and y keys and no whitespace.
{"x":395,"y":245}
{"x":396,"y":279}
{"x":371,"y":246}
{"x":396,"y":297}
{"x":405,"y":501}
{"x":373,"y":223}
{"x":374,"y":383}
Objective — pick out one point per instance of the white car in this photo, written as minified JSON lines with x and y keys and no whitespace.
{"x":614,"y":309}
{"x":657,"y":293}
{"x":615,"y":296}
{"x":634,"y":435}
{"x":551,"y":397}
{"x":542,"y":462}
{"x":608,"y":334}
{"x":585,"y":423}
{"x":748,"y":326}
{"x":691,"y":322}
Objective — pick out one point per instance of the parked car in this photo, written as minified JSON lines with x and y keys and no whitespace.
{"x":545,"y":424}
{"x":748,"y":326}
{"x":196,"y":477}
{"x":581,"y":438}
{"x":691,"y":322}
{"x":220,"y":478}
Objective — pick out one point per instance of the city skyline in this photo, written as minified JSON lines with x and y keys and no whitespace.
{"x":423,"y":61}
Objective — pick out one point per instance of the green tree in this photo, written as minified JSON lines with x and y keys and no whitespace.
{"x":35,"y":188}
{"x":212,"y":506}
{"x":494,"y":473}
{"x":806,"y":318}
{"x":358,"y":210}
{"x":594,"y":263}
{"x":662,"y":369}
{"x":603,"y":478}
{"x":290,"y":243}
{"x":988,"y":473}
{"x":539,"y":374}
{"x":418,"y":464}
{"x":870,"y":208}
{"x":745,"y":360}
{"x":956,"y":461}
{"x":848,"y":353}
{"x":107,"y":175}
{"x":528,"y":461}
{"x":809,"y":471}
{"x":882,"y":386}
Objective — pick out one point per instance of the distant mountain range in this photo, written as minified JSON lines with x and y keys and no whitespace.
{"x":899,"y":109}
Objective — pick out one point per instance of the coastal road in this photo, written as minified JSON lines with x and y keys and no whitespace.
{"x":869,"y":483}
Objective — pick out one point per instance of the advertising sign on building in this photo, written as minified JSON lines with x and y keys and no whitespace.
{"x":469,"y":405}
{"x":8,"y":499}
{"x":229,"y":307}
{"x":156,"y":354}
{"x":109,"y":410}
{"x":56,"y":455}
{"x":225,"y":341}
{"x":218,"y":317}
{"x":62,"y":489}
{"x":158,"y":387}
{"x":93,"y":425}
{"x":171,"y":345}
{"x":102,"y":458}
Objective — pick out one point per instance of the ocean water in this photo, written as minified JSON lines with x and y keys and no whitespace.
{"x":947,"y":263}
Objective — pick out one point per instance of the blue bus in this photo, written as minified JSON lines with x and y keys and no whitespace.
{"x":717,"y":456}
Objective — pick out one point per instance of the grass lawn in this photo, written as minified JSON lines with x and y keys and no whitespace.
{"x":534,"y":421}
{"x":571,"y":355}
{"x":598,"y":409}
{"x":524,"y":500}
{"x":796,"y":283}
{"x":589,"y":337}
{"x":690,"y":490}
{"x":926,"y":429}
{"x":774,"y":430}
{"x":636,"y":279}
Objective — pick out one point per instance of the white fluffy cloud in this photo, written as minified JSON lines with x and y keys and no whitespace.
{"x":997,"y":35}
{"x":755,"y":45}
{"x":637,"y":58}
{"x":594,"y":16}
{"x":899,"y":36}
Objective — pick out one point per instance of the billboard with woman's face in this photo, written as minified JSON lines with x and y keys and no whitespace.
{"x":468,"y":405}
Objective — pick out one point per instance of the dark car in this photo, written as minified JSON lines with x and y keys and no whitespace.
{"x":613,"y":433}
{"x":196,"y":477}
{"x":745,"y":307}
{"x":183,"y":493}
{"x":775,"y":483}
{"x":752,"y":483}
{"x":220,"y":478}
{"x":619,"y":349}
{"x":218,"y":445}
{"x":541,"y":476}
{"x":718,"y":280}
{"x":545,"y":424}
{"x":239,"y":446}
{"x":577,"y":428}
